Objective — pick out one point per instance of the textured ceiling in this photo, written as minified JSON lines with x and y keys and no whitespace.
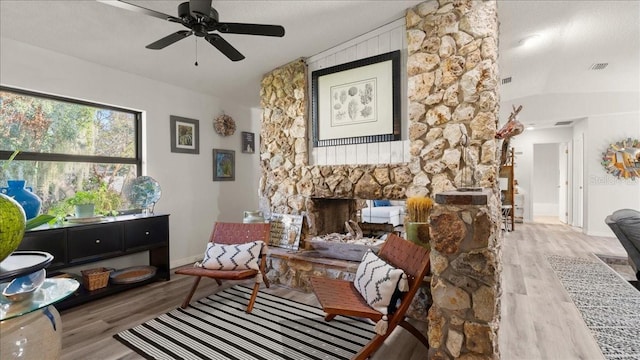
{"x":572,"y":36}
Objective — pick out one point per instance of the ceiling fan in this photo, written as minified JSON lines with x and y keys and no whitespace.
{"x":202,"y":21}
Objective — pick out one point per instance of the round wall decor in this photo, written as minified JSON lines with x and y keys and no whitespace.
{"x":224,"y":125}
{"x":622,"y":159}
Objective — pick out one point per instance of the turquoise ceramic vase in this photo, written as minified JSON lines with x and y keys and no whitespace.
{"x":29,"y":201}
{"x":12,"y":225}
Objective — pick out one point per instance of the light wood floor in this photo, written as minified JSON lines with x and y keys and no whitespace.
{"x":538,"y":319}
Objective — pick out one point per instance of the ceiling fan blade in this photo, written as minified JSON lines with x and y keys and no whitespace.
{"x":139,"y":9}
{"x":251,"y":29}
{"x":224,"y":47}
{"x":168,"y":40}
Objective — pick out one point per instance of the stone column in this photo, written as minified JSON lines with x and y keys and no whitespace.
{"x":452,"y":89}
{"x":465,"y":282}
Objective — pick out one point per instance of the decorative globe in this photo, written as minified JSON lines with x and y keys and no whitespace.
{"x":12,"y":225}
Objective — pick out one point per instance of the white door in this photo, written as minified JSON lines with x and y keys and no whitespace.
{"x":578,"y":180}
{"x":563,"y":181}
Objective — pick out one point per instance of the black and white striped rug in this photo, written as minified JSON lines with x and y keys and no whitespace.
{"x":217,"y":327}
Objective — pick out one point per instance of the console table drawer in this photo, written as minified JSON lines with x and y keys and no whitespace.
{"x":52,"y":242}
{"x":146,"y":233}
{"x":97,"y":241}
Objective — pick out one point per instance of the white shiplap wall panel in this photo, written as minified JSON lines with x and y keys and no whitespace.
{"x":361,"y":154}
{"x":331,"y":155}
{"x":341,"y":57}
{"x":372,"y":47}
{"x":384,"y":44}
{"x":397,"y":151}
{"x":372,"y":153}
{"x":362,"y":50}
{"x":322,"y":155}
{"x":407,"y":147}
{"x":384,"y":152}
{"x":387,"y":38}
{"x":341,"y":155}
{"x":351,"y":53}
{"x":351,"y":154}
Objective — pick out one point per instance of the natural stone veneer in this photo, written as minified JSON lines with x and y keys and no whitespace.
{"x":452,"y":94}
{"x":452,"y":90}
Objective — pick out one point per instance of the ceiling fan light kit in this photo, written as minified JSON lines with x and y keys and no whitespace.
{"x":202,"y":21}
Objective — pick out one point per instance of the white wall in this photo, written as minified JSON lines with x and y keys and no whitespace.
{"x":524,"y":159}
{"x":385,"y":39}
{"x":545,"y":179}
{"x":604,"y":192}
{"x":194,"y":201}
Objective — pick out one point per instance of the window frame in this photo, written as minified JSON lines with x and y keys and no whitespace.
{"x":57,"y":157}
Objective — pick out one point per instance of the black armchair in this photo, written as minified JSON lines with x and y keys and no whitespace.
{"x":625,"y":224}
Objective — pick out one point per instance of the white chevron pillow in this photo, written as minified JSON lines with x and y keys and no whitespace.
{"x":232,"y":257}
{"x":377,"y":281}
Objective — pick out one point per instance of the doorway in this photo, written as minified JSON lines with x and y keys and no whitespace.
{"x":546,"y":184}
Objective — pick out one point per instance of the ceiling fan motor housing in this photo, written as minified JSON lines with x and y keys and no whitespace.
{"x":202,"y":20}
{"x":197,"y":9}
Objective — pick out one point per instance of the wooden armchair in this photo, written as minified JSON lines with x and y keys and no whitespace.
{"x":340,"y":297}
{"x":231,"y":234}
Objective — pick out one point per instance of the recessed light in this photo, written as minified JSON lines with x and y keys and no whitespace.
{"x":530,"y":128}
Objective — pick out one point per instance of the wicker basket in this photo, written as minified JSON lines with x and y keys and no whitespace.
{"x":94,"y":279}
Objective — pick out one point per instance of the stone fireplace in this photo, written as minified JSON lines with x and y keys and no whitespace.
{"x":452,"y":93}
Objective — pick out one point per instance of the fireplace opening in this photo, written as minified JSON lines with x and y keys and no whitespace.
{"x":331,"y":214}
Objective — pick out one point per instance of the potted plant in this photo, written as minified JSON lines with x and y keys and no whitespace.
{"x":88,"y":203}
{"x":417,"y":220}
{"x":83,"y":203}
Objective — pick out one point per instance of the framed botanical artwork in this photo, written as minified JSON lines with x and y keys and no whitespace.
{"x":248,"y":142}
{"x":357,"y":102}
{"x":185,"y":135}
{"x":224,"y":165}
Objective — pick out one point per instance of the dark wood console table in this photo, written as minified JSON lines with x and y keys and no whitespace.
{"x":73,"y":244}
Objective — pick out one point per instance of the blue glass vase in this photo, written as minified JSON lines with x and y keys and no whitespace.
{"x":29,"y":201}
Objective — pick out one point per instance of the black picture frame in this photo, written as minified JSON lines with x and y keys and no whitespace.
{"x":360,"y":98}
{"x":224,"y":165}
{"x":248,"y":142}
{"x":185,"y":135}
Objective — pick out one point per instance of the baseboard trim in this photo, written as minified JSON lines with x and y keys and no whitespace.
{"x":184,"y":261}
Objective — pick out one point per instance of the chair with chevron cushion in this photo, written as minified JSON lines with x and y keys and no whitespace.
{"x":400,"y":266}
{"x":235,"y":251}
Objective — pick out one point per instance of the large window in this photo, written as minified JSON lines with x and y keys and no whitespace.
{"x":67,"y":145}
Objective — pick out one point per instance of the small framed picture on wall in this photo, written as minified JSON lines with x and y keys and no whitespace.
{"x":224,"y":165}
{"x":185,"y":135}
{"x":248,"y":142}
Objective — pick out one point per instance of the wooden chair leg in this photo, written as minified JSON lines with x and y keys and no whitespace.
{"x":329,"y":317}
{"x":370,"y":348}
{"x":187,"y":300}
{"x":410,"y":328}
{"x":256,"y":287}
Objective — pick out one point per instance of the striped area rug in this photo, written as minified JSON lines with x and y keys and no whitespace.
{"x":217,"y":327}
